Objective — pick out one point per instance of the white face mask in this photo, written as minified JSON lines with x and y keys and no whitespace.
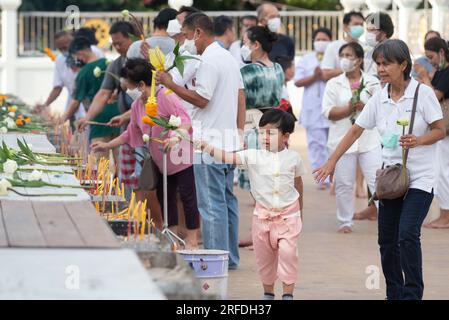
{"x":347,"y":65}
{"x":371,"y":39}
{"x":134,"y":93}
{"x":190,"y":46}
{"x":174,"y":27}
{"x":246,"y":53}
{"x":320,"y":46}
{"x":274,"y":24}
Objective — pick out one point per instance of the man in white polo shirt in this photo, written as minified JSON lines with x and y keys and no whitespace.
{"x":219,"y":112}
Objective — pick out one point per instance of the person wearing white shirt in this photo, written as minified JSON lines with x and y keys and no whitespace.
{"x":245,"y":23}
{"x":353,"y":28}
{"x":400,"y":220}
{"x":63,"y":75}
{"x":379,"y":28}
{"x":187,"y":79}
{"x":437,"y":52}
{"x":276,"y":184}
{"x":309,"y":75}
{"x":159,"y":38}
{"x":219,"y":114}
{"x":344,"y":97}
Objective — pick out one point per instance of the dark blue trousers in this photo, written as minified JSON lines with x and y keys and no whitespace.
{"x":400,"y":222}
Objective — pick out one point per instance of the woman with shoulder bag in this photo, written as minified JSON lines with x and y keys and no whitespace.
{"x":437,"y":52}
{"x":137,"y":73}
{"x":400,"y":219}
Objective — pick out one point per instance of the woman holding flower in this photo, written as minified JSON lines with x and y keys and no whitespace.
{"x":344,"y":98}
{"x":400,"y":220}
{"x":142,"y":130}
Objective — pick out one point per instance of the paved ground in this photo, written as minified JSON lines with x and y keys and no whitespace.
{"x":333,"y":265}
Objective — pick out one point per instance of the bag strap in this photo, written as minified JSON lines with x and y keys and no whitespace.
{"x":412,"y":120}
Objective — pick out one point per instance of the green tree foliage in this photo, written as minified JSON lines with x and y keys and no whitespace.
{"x":84,"y":5}
{"x":316,"y":4}
{"x":144,"y":5}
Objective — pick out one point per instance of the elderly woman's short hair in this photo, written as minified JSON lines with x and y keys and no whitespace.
{"x":395,"y":51}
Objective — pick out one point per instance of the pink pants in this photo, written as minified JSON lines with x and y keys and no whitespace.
{"x":275,"y":241}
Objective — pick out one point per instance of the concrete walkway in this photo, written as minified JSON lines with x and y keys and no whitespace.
{"x":333,"y":265}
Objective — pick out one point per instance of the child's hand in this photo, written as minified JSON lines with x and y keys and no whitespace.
{"x":200,"y":145}
{"x":171,"y":143}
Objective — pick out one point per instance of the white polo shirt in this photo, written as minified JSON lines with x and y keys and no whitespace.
{"x":382,"y":112}
{"x":63,"y":76}
{"x":272,"y":176}
{"x":218,"y":79}
{"x":187,"y":79}
{"x":331,"y":59}
{"x":337,"y":94}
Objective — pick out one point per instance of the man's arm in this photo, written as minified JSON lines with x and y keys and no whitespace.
{"x":241,"y":115}
{"x":190,"y":96}
{"x":331,"y":73}
{"x":54,"y":94}
{"x":74,"y":105}
{"x":96,"y":107}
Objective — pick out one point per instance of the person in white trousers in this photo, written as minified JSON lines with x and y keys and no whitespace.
{"x":344,"y":98}
{"x":437,"y":53}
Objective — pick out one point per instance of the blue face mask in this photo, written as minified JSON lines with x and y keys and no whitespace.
{"x":390,"y":140}
{"x":356,"y":31}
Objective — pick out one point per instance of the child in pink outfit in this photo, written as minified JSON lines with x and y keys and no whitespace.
{"x":276,"y":185}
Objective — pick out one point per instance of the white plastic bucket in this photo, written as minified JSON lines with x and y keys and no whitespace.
{"x":211,"y":269}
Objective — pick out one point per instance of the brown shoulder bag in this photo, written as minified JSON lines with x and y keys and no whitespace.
{"x":392,"y":182}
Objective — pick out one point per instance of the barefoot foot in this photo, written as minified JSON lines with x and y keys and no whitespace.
{"x":369,"y":213}
{"x":345,"y":229}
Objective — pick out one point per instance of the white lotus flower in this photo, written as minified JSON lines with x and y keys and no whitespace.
{"x":12,"y":114}
{"x":97,"y":72}
{"x":4,"y":109}
{"x":9,"y":167}
{"x":125,"y":13}
{"x":4,"y":185}
{"x":35,"y":175}
{"x":174,"y":121}
{"x":3,"y":130}
{"x":146,"y":138}
{"x":10,"y":123}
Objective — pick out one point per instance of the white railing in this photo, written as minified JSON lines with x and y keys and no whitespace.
{"x":37,"y":29}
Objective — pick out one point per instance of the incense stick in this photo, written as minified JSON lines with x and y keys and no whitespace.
{"x":94,"y":123}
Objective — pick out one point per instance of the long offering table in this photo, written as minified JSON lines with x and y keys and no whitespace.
{"x":60,"y":248}
{"x":38,"y":142}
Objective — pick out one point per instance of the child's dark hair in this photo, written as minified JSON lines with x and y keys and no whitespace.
{"x":283,"y":120}
{"x":137,"y":70}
